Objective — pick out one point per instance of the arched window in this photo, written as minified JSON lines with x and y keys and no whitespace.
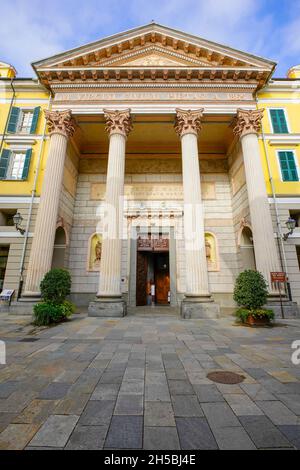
{"x":59,"y":249}
{"x":246,"y":248}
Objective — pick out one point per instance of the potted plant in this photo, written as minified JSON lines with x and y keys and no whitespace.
{"x":54,"y":307}
{"x":251,"y":293}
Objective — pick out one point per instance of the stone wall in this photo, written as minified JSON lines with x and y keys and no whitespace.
{"x":87,"y":221}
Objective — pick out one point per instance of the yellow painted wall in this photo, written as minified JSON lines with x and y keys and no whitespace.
{"x":28,"y":95}
{"x":290,"y":102}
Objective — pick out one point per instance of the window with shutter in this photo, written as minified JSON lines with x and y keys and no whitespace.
{"x":279,"y":123}
{"x":4,"y":163}
{"x":26,"y":164}
{"x":288,"y":166}
{"x":13,"y":120}
{"x":35,"y":118}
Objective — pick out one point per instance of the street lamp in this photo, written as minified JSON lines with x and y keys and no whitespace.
{"x":17,"y":219}
{"x":291,"y":224}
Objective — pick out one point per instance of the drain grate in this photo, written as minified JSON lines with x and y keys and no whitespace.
{"x":223,"y":377}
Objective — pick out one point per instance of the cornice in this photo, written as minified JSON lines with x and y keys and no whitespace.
{"x":248,"y":86}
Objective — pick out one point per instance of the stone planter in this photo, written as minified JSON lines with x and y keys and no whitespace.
{"x":253,"y":321}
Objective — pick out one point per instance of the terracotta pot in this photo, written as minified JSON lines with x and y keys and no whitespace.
{"x":257,"y":321}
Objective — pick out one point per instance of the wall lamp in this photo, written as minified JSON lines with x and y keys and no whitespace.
{"x":17,"y":219}
{"x":291,"y":224}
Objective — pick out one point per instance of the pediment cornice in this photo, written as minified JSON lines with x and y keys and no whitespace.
{"x":170,"y":54}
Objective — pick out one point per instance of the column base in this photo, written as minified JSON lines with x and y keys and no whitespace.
{"x":108,"y":307}
{"x":199,"y":307}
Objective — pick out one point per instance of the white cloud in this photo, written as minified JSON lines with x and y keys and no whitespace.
{"x":33,"y":29}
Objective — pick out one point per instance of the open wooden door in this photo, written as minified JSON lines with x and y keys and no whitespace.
{"x":141,"y":279}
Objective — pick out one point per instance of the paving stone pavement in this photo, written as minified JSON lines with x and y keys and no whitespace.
{"x":141,"y":382}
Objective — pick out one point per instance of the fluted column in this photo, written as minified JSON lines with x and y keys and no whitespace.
{"x":187,"y":126}
{"x":247,"y":127}
{"x":61,"y":126}
{"x":118,"y":126}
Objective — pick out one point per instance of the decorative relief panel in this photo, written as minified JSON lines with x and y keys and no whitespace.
{"x":152,"y":191}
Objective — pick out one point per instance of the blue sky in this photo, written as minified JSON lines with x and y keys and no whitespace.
{"x":34,"y":29}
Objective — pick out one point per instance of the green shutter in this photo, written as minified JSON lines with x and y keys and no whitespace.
{"x":4,"y":162}
{"x":278,"y":121}
{"x":35,"y":118}
{"x":26,"y":164}
{"x":288,"y":166}
{"x":13,"y":120}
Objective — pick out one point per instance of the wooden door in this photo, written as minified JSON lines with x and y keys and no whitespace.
{"x":162,"y":279}
{"x":141,"y":279}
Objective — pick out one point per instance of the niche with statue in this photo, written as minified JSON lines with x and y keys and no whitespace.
{"x":94,"y":252}
{"x":211,"y":251}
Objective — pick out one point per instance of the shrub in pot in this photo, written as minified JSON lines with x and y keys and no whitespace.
{"x":251,"y":293}
{"x":54,"y":307}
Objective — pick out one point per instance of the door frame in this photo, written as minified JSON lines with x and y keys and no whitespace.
{"x":135,"y":233}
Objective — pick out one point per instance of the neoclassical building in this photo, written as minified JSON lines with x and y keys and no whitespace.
{"x":144,"y":163}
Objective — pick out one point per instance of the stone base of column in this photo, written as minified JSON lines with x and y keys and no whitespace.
{"x":108,"y":307}
{"x":21,"y":306}
{"x":290,"y":309}
{"x":199,"y":307}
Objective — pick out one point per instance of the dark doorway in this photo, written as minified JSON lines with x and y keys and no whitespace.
{"x":4,"y":250}
{"x":152,"y":269}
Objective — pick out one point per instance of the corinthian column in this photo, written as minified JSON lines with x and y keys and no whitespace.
{"x":187,"y":126}
{"x":247,"y":127}
{"x":110,"y":303}
{"x":61,"y":126}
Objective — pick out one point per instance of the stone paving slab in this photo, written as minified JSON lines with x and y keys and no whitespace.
{"x":55,"y":432}
{"x":141,"y":382}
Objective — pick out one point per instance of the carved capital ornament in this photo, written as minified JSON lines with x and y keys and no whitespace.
{"x":248,"y":122}
{"x":118,"y":122}
{"x":188,"y":122}
{"x":60,"y":122}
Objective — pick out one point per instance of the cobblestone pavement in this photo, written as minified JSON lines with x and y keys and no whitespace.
{"x":140,"y":382}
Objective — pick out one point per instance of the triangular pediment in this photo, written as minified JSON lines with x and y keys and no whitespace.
{"x":156,"y":47}
{"x":153,"y":56}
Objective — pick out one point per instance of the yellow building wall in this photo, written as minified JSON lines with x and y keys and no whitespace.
{"x":26,"y":99}
{"x":290,"y":102}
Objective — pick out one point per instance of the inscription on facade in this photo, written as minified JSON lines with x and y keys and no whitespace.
{"x":153,"y":96}
{"x":152,"y":191}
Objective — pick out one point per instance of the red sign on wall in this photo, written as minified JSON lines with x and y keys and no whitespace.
{"x":278,"y":277}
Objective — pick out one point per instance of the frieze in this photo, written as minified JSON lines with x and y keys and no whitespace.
{"x":152,"y":191}
{"x":152,"y":166}
{"x":152,"y":96}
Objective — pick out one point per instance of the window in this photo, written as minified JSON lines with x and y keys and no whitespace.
{"x":288,"y":167}
{"x":279,"y":123}
{"x":14,"y":165}
{"x":295,"y":214}
{"x":23,"y":120}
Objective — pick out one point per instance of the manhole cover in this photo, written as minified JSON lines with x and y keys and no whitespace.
{"x":223,"y":377}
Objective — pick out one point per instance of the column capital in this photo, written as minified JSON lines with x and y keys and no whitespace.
{"x":188,"y":122}
{"x":248,"y":122}
{"x":118,"y":122}
{"x":60,"y":122}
